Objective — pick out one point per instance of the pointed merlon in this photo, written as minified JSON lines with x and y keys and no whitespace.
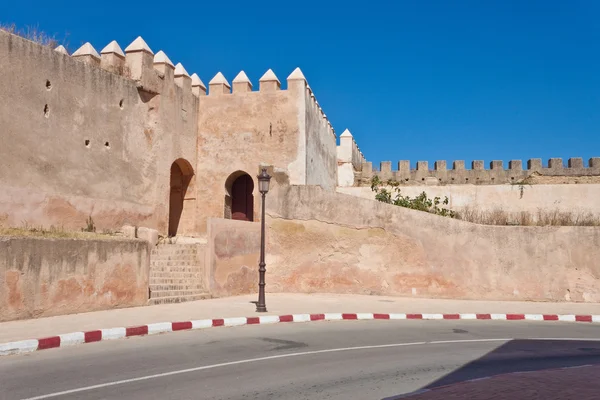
{"x":296,"y":75}
{"x":180,"y":71}
{"x":346,"y":133}
{"x":61,"y":49}
{"x":219,"y":79}
{"x":113,"y":47}
{"x":86,"y":50}
{"x":138,"y":45}
{"x":242,"y":78}
{"x":269,"y":76}
{"x":161,"y":58}
{"x":197,"y":82}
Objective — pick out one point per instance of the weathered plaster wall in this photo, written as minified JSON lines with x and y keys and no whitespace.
{"x":232,"y":255}
{"x":578,"y":199}
{"x":41,"y":277}
{"x":237,"y":132}
{"x":321,"y":150}
{"x":331,"y":242}
{"x":78,"y":140}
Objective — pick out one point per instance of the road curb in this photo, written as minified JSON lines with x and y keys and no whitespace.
{"x":76,"y":338}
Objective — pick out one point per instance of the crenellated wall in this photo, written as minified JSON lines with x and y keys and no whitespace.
{"x":90,"y":135}
{"x":496,"y":174}
{"x":321,"y":151}
{"x":240,"y":128}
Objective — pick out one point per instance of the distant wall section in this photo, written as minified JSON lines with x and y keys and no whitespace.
{"x":496,"y":174}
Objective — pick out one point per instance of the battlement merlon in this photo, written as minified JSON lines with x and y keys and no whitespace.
{"x":496,"y":174}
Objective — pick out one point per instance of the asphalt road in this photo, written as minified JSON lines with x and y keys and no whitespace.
{"x":317,"y":360}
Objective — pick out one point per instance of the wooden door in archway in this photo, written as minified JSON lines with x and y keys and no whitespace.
{"x":242,"y":200}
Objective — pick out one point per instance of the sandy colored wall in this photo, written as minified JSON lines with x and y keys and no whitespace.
{"x":233,"y":254}
{"x":240,"y":130}
{"x":41,"y":277}
{"x":331,"y":242}
{"x":51,"y":105}
{"x":578,"y":199}
{"x":321,"y":149}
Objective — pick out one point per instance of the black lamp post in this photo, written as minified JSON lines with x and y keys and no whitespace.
{"x":263,"y":187}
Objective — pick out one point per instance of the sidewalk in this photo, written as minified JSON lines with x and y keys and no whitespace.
{"x":277,"y":304}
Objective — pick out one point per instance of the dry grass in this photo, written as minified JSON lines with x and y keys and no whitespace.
{"x":53,"y":232}
{"x":34,"y":34}
{"x":525,"y":218}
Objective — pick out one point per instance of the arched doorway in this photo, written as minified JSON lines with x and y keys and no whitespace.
{"x":181,"y":176}
{"x":239,"y":201}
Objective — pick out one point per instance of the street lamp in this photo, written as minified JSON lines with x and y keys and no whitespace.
{"x":263,"y":187}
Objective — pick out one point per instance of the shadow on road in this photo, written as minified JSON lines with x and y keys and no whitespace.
{"x":521,"y":355}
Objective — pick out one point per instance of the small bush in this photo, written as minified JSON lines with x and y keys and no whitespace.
{"x":421,"y":202}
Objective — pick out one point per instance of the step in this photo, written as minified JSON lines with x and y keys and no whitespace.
{"x":177,"y":269}
{"x":179,"y":299}
{"x":173,"y":293}
{"x":176,"y":281}
{"x":173,"y":287}
{"x":174,"y":275}
{"x":172,"y":252}
{"x":172,"y":263}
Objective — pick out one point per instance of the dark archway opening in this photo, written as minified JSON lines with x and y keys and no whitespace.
{"x":181,"y":175}
{"x":239,"y":200}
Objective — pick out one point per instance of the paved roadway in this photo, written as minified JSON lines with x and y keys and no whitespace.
{"x":316,"y":360}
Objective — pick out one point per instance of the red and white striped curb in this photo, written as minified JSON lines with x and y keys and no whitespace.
{"x":433,"y":389}
{"x":75,"y":338}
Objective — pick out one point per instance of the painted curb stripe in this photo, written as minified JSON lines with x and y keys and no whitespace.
{"x":92,"y":336}
{"x":48,"y":343}
{"x":75,"y":338}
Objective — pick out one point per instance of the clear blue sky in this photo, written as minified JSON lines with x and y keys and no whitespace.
{"x":417,"y":80}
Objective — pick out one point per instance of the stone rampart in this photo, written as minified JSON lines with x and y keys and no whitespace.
{"x":458,"y":174}
{"x":41,"y":277}
{"x":91,"y":134}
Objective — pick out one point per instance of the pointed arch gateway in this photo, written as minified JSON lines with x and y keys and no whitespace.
{"x":239,"y":197}
{"x":181,"y":178}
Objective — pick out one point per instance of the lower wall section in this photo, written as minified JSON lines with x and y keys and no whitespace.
{"x":42,"y":277}
{"x":232,"y":256}
{"x":330,"y":242}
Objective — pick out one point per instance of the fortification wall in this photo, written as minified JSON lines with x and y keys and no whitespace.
{"x":496,"y":174}
{"x":579,"y":200}
{"x":90,"y":134}
{"x":42,"y":277}
{"x":241,"y":128}
{"x":321,"y":150}
{"x":330,"y":242}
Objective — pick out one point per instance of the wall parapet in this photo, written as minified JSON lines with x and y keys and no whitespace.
{"x":496,"y":174}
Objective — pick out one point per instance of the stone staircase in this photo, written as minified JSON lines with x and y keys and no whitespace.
{"x":176,"y":275}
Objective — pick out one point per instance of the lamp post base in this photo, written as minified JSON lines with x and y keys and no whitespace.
{"x":261,"y":308}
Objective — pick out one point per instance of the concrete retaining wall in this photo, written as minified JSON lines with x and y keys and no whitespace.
{"x":232,"y":256}
{"x":41,"y":277}
{"x":331,"y":242}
